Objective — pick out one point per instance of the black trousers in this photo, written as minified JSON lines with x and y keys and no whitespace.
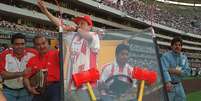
{"x":52,"y":93}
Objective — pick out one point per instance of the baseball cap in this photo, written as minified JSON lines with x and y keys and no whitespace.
{"x":87,"y":18}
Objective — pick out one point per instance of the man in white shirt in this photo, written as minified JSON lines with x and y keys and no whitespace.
{"x":12,"y":67}
{"x":84,"y":46}
{"x":119,"y":67}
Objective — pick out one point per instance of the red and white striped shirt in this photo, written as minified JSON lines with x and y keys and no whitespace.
{"x":113,"y":69}
{"x":83,"y":53}
{"x":9,"y":62}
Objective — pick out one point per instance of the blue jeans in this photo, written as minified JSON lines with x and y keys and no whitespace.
{"x":16,"y":95}
{"x":51,"y":93}
{"x":177,"y":93}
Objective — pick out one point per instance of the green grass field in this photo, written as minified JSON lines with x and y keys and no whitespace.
{"x":189,"y":78}
{"x":195,"y":96}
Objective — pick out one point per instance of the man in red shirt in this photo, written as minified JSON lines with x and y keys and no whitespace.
{"x":49,"y":60}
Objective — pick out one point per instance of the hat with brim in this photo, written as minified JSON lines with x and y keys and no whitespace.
{"x":86,"y":18}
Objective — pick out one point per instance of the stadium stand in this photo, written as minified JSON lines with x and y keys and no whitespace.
{"x":170,"y":15}
{"x":6,"y":25}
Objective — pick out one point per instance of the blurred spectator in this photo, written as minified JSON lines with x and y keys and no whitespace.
{"x":3,"y":47}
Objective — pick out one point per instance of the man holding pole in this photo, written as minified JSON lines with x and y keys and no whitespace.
{"x":84,"y":47}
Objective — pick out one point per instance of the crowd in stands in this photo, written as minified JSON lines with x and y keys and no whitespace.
{"x":195,"y":55}
{"x":148,"y":12}
{"x":145,"y":12}
{"x":194,"y":59}
{"x":24,"y":28}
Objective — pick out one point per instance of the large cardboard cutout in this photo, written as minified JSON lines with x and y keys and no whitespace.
{"x":141,"y":53}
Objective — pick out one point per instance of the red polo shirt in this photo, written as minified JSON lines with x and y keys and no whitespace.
{"x":49,"y":61}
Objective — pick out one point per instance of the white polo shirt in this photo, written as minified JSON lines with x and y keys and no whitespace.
{"x":12,"y":64}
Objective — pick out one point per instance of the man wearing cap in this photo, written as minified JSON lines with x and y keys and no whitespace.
{"x":12,"y":69}
{"x":84,"y":46}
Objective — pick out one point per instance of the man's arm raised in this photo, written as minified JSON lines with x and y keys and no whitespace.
{"x":52,"y":18}
{"x":44,"y":9}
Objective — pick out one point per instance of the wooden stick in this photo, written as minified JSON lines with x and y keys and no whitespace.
{"x":91,"y":93}
{"x":141,"y":90}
